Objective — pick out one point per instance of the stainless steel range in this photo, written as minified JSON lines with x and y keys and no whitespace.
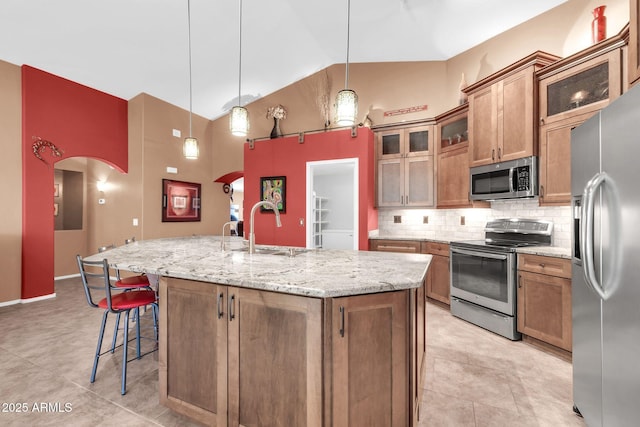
{"x":483,"y":273}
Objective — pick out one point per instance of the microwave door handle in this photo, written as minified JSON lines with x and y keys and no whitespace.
{"x":511,"y":183}
{"x":479,"y":254}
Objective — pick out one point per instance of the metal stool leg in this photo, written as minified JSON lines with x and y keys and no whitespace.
{"x":154,"y":308}
{"x":137,"y":317}
{"x":99,"y":346}
{"x":123,"y":389}
{"x":115,"y":333}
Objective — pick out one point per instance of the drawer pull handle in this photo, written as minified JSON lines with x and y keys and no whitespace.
{"x":542,"y":264}
{"x":341,"y":321}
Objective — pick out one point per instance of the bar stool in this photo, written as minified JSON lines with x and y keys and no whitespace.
{"x":119,"y":303}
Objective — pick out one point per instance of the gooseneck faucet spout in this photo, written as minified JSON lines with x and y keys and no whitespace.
{"x":252,"y":236}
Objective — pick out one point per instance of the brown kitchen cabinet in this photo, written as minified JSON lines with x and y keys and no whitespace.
{"x":544,"y":299}
{"x":572,"y":90}
{"x":369,"y":354}
{"x":634,"y":42}
{"x":388,"y":245}
{"x":405,"y":167}
{"x":228,"y":355}
{"x":555,"y":160}
{"x":438,"y":278}
{"x":212,"y":333}
{"x":503,"y":112}
{"x":452,"y":181}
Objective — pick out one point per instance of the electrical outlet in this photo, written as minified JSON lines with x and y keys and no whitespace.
{"x":135,"y":222}
{"x":397,"y":219}
{"x":462,"y":220}
{"x":177,"y":133}
{"x":301,"y":222}
{"x":425,"y":219}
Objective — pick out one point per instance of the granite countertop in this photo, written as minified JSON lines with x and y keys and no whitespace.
{"x":315,"y":273}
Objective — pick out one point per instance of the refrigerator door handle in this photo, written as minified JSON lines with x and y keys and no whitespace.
{"x":586,"y":235}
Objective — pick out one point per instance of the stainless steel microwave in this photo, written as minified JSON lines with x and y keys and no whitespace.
{"x":513,"y":179}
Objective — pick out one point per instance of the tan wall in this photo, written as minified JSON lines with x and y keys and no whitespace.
{"x":11,"y":173}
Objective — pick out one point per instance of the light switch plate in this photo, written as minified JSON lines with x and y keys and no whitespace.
{"x":177,"y":133}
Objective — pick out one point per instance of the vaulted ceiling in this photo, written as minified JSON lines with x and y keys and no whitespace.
{"x":125,"y":47}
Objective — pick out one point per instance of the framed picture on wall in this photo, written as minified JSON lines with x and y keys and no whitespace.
{"x":180,"y":201}
{"x":272,"y":188}
{"x":56,"y":190}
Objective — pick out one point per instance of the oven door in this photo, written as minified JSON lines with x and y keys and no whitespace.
{"x":485,"y":278}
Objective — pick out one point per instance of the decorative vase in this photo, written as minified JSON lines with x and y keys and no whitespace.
{"x":275,"y":132}
{"x":463,"y":96}
{"x":599,"y":25}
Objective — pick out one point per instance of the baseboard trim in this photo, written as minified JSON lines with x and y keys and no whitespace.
{"x":69,"y":276}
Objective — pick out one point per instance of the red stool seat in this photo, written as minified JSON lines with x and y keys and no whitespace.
{"x":129,"y":300}
{"x":133,"y":282}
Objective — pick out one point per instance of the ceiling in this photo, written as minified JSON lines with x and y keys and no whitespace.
{"x":126,"y":47}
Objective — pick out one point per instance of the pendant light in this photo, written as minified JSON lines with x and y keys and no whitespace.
{"x":347,"y":99}
{"x":190,"y":148}
{"x":239,"y":120}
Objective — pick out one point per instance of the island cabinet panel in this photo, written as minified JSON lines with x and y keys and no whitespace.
{"x":233,"y":356}
{"x":386,"y":245}
{"x":193,"y":351}
{"x":275,"y":359}
{"x":370,"y":360}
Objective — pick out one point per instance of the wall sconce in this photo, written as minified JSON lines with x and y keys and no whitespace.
{"x":102,"y":186}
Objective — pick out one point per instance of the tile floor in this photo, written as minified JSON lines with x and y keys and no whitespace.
{"x":474,"y":378}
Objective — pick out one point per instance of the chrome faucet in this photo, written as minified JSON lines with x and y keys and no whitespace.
{"x":229,"y":223}
{"x":252,"y":236}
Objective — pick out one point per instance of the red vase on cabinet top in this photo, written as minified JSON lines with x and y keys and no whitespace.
{"x":599,"y":25}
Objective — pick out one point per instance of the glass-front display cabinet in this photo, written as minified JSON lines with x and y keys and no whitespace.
{"x":580,"y":87}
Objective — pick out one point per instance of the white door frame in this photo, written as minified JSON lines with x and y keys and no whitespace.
{"x":356,"y":207}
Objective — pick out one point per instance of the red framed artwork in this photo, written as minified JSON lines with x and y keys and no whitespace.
{"x":180,"y":201}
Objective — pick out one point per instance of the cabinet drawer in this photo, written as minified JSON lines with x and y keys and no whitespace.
{"x":383,"y":245}
{"x":435,"y":248}
{"x":544,"y":264}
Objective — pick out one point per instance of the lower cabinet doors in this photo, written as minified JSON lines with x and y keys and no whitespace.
{"x":370,"y":363}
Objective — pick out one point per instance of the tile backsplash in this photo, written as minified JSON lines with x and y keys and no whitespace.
{"x":468,"y":224}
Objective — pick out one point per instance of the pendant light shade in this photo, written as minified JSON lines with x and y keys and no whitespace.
{"x":346,"y":107}
{"x":347,"y":99}
{"x":239,"y":122}
{"x":190,"y":149}
{"x":239,"y":118}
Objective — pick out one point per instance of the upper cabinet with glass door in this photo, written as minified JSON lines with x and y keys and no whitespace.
{"x":406,"y":142}
{"x":405,"y":167}
{"x":634,"y":41}
{"x":582,"y":83}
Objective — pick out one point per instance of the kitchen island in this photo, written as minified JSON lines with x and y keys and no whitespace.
{"x":285,"y":336}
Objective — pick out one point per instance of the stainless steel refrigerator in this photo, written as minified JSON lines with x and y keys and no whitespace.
{"x":605,"y":186}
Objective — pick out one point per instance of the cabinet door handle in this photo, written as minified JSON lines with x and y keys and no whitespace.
{"x":220,"y":311}
{"x":542,"y":191}
{"x":541,"y":120}
{"x":406,"y":200}
{"x":542,"y":264}
{"x":232,"y":314}
{"x":520,"y":281}
{"x":341,"y":321}
{"x":499,"y":153}
{"x":493,"y":154}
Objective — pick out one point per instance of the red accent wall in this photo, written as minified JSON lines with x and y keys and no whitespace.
{"x":81,"y":121}
{"x":287,"y":157}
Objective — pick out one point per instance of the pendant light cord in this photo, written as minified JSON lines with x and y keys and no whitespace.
{"x":346,"y":75}
{"x":190,"y":82}
{"x":240,"y":57}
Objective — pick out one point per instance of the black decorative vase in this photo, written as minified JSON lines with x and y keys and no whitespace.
{"x":275,"y":132}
